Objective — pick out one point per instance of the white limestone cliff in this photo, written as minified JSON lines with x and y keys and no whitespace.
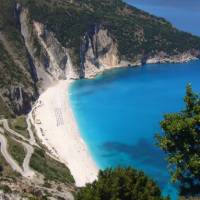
{"x":51,"y":61}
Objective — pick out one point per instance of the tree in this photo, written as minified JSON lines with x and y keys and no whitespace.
{"x":181,"y":143}
{"x":121,"y":184}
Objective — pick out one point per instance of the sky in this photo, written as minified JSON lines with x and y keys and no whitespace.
{"x":184,"y":14}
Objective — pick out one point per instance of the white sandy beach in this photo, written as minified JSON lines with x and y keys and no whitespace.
{"x":57,"y":128}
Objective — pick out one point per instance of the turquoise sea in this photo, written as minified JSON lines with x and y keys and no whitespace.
{"x":119,"y":112}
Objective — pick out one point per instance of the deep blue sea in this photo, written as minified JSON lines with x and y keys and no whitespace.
{"x":119,"y":113}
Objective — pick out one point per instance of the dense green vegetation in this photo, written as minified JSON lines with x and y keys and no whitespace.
{"x":10,"y":73}
{"x":137,"y":32}
{"x":181,"y":143}
{"x":12,"y":52}
{"x":121,"y":184}
{"x":6,"y":13}
{"x":4,"y":110}
{"x":50,"y":168}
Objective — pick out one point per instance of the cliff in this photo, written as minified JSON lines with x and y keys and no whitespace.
{"x":45,"y":41}
{"x":17,"y":89}
{"x":50,"y":60}
{"x":98,"y":51}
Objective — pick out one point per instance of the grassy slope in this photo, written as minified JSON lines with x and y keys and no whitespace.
{"x":9,"y":27}
{"x":6,"y":170}
{"x":50,"y":168}
{"x":16,"y":150}
{"x":4,"y":110}
{"x":137,"y":32}
{"x":10,"y":73}
{"x":40,"y":161}
{"x":19,"y":125}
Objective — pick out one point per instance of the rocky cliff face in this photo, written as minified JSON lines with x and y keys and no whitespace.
{"x":18,"y":98}
{"x":50,"y":61}
{"x":99,"y":51}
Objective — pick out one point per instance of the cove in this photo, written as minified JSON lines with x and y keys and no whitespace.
{"x":118,"y":114}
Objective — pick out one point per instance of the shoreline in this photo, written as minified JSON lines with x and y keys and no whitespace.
{"x":178,"y":59}
{"x":57,"y":128}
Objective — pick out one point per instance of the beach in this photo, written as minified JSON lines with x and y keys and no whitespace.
{"x":56,"y":127}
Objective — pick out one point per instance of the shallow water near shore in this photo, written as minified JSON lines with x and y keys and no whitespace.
{"x":118,"y":114}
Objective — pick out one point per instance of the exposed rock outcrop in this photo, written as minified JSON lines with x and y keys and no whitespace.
{"x":51,"y":61}
{"x":163,"y":57}
{"x":99,"y":51}
{"x":19,"y":98}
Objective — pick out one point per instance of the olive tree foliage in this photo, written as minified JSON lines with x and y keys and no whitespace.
{"x":121,"y":184}
{"x":181,"y":143}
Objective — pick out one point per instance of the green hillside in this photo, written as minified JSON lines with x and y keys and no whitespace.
{"x":136,"y":31}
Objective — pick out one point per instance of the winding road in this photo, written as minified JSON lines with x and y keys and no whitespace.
{"x":28,"y":144}
{"x":26,"y":171}
{"x":7,"y":156}
{"x":32,"y":138}
{"x":4,"y":122}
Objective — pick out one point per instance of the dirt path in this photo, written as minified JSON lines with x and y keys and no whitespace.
{"x":14,"y":165}
{"x":26,"y":171}
{"x":32,"y":138}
